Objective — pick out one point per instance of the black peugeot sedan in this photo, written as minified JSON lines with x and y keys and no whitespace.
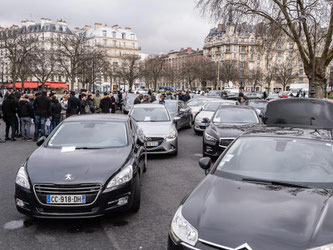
{"x":227,"y":123}
{"x":89,"y":166}
{"x":270,"y":190}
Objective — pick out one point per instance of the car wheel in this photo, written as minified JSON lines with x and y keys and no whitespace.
{"x":176,"y":151}
{"x":189,"y":125}
{"x":137,"y":196}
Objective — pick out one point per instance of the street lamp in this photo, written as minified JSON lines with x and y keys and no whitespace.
{"x":312,"y":83}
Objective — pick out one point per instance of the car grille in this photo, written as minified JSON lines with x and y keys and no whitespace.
{"x":204,"y":244}
{"x":224,"y":142}
{"x":158,"y":139}
{"x":91,"y":191}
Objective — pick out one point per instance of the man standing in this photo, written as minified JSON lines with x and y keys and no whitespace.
{"x":9,"y":109}
{"x":42,"y":107}
{"x":97,"y":98}
{"x":73,"y":105}
{"x":105,"y":104}
{"x":138,"y":100}
{"x":25,"y":113}
{"x":113,"y":103}
{"x":55,"y":112}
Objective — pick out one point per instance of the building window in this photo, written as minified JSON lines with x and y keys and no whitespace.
{"x":243,"y":48}
{"x":132,"y":36}
{"x":124,"y":44}
{"x":227,"y":48}
{"x":133,"y":45}
{"x":104,"y":33}
{"x":105,"y":42}
{"x":258,"y":57}
{"x":235,"y":40}
{"x":114,"y":34}
{"x":114,"y":43}
{"x":123,"y":35}
{"x":301,"y":72}
{"x":243,"y":57}
{"x":235,"y":56}
{"x":235,"y":48}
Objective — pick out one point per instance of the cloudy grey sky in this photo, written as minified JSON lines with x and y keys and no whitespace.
{"x":161,"y":25}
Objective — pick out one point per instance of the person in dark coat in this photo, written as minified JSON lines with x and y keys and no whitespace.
{"x":105,"y":103}
{"x":113,"y":103}
{"x":41,"y":107}
{"x":91,"y":103}
{"x":73,"y":105}
{"x":84,"y":105}
{"x":153,"y":97}
{"x":55,"y":112}
{"x":25,"y":113}
{"x":120,"y":100}
{"x":9,"y":110}
{"x":138,"y":100}
{"x":145,"y":99}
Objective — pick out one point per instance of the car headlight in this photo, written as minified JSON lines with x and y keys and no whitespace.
{"x":182,"y":229}
{"x":125,"y":175}
{"x":209,"y":137}
{"x":198,"y":118}
{"x":326,"y":247}
{"x":172,"y":135}
{"x":22,"y":177}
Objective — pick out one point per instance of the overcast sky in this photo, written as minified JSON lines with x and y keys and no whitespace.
{"x":161,"y":25}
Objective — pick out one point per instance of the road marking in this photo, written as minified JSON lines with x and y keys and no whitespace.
{"x":111,"y":237}
{"x":14,"y":224}
{"x":199,"y":155}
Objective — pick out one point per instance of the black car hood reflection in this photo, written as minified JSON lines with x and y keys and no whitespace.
{"x":50,"y":165}
{"x":231,"y":213}
{"x":233,"y":130}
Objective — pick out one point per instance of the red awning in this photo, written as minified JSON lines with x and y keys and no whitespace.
{"x":35,"y":85}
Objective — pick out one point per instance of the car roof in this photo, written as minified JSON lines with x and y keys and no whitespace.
{"x":98,"y":117}
{"x":236,"y":107}
{"x":300,"y":112}
{"x":304,"y":133}
{"x":149,"y":105}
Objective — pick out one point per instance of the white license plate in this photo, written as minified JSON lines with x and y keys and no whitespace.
{"x":65,"y":199}
{"x":152,"y":143}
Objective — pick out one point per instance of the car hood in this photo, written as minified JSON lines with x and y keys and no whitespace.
{"x":228,"y":130}
{"x":156,"y":128}
{"x":206,"y":114}
{"x":50,"y":165}
{"x":232,"y":213}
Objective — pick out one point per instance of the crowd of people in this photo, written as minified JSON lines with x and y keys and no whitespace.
{"x":45,"y":110}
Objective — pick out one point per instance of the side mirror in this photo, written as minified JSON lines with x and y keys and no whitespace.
{"x":176,"y":119}
{"x":41,"y":141}
{"x":205,"y":163}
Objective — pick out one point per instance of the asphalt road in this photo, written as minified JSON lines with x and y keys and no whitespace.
{"x":166,"y":182}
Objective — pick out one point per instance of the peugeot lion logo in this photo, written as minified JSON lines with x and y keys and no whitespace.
{"x":68,"y":177}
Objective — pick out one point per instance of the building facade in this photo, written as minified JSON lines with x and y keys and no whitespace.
{"x":255,"y":66}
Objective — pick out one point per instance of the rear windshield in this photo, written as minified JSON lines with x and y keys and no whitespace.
{"x":235,"y":115}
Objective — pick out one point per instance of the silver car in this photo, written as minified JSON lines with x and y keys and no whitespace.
{"x":129,"y":102}
{"x":207,"y":112}
{"x":196,"y":105}
{"x":154,"y":121}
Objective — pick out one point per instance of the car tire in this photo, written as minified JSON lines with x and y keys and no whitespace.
{"x":175,"y":153}
{"x":137,"y":196}
{"x":189,"y":125}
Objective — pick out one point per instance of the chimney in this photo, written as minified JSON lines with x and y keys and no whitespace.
{"x":97,"y":26}
{"x":61,"y":22}
{"x":220,"y":26}
{"x":87,"y":27}
{"x":128,"y":29}
{"x":77,"y":29}
{"x":116,"y":27}
{"x":24,"y":23}
{"x":189,"y":50}
{"x":182,"y":50}
{"x":14,"y":26}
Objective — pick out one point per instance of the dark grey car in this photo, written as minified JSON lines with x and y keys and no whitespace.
{"x":179,"y":112}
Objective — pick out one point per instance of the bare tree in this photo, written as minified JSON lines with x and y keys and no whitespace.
{"x":24,"y":69}
{"x":42,"y":65}
{"x":130,"y":70}
{"x":205,"y":71}
{"x":284,"y":75}
{"x":229,"y":71}
{"x":154,"y":69}
{"x":18,"y":43}
{"x":306,"y":23}
{"x":71,"y":52}
{"x":189,"y":71}
{"x":171,"y":75}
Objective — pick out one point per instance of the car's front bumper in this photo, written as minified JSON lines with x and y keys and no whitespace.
{"x":212,"y":148}
{"x":106,"y":202}
{"x":166,"y":146}
{"x":200,"y":126}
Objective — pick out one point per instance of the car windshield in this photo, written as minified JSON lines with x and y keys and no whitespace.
{"x":213,"y":106}
{"x":214,"y":93}
{"x":149,"y":114}
{"x":171,"y":106}
{"x":197,"y":102}
{"x":235,"y":115}
{"x":258,"y":105}
{"x":90,"y":134}
{"x":290,"y":160}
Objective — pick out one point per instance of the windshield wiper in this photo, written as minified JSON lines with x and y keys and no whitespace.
{"x":278,"y":183}
{"x":87,"y":148}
